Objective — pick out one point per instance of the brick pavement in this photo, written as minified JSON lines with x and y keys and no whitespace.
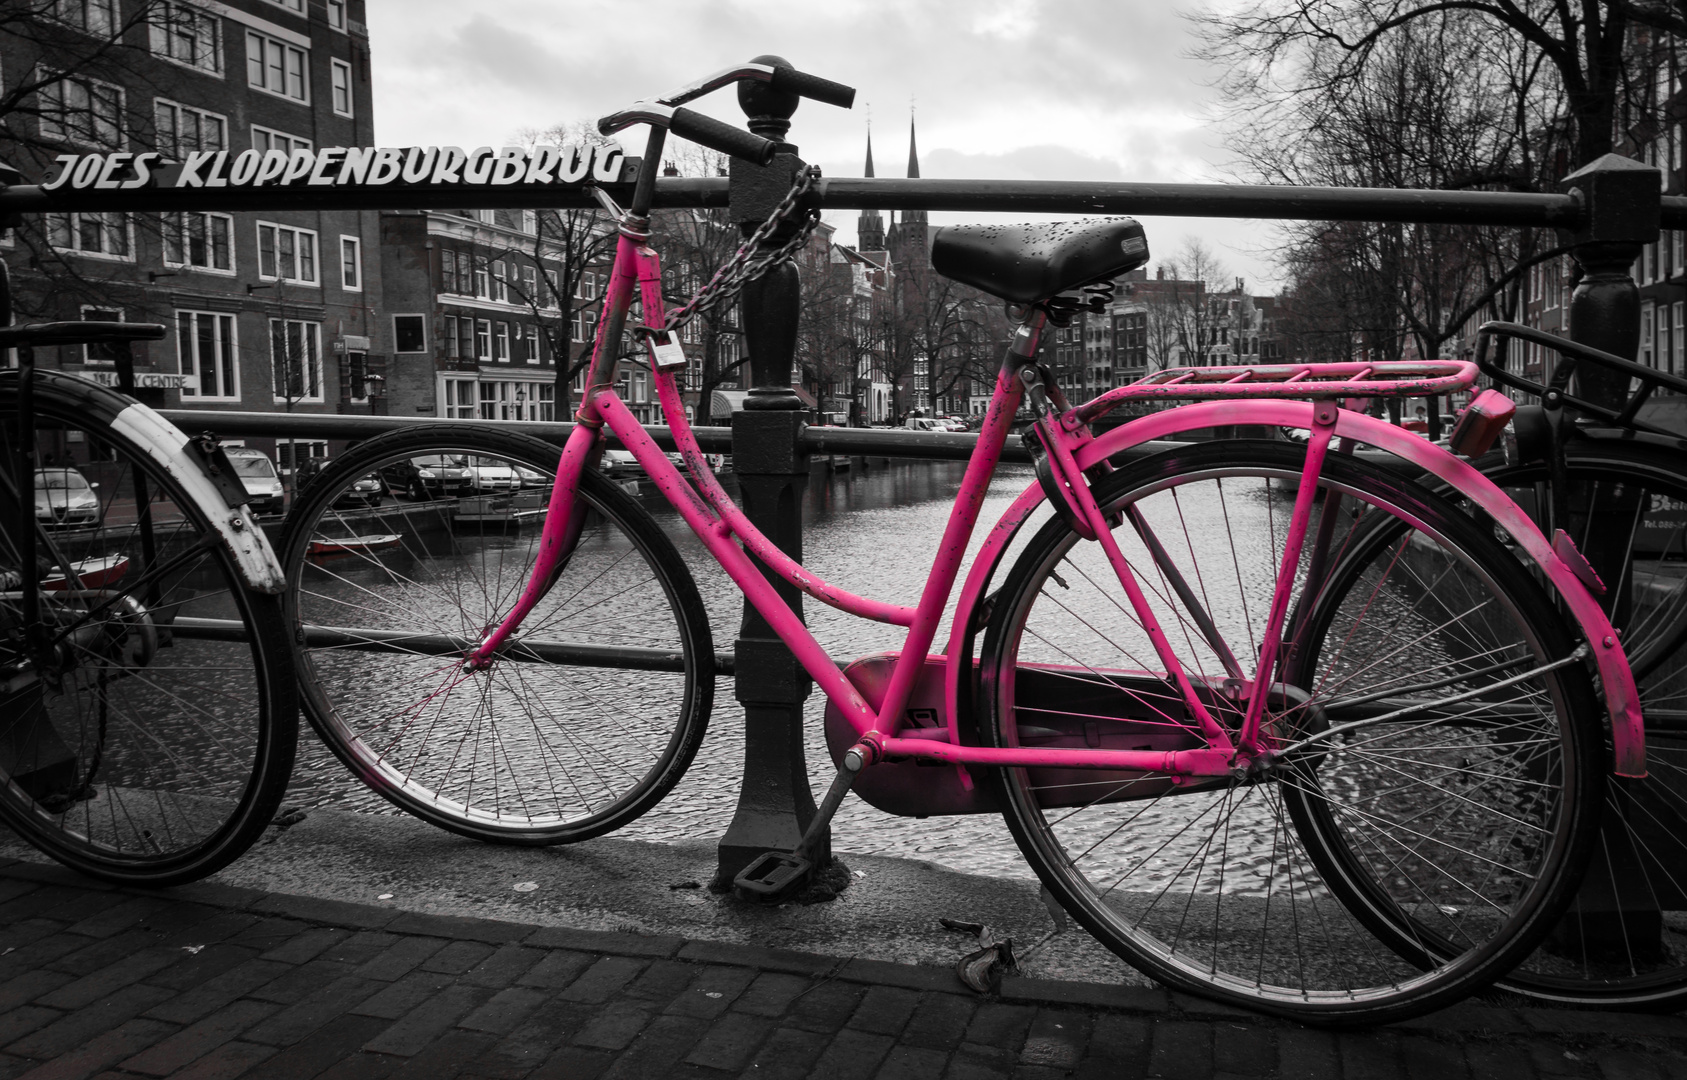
{"x":209,"y":981}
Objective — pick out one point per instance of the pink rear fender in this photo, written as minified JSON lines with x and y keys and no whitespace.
{"x":1617,"y":681}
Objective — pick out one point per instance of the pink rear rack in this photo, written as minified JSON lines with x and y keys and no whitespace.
{"x":1407,"y":378}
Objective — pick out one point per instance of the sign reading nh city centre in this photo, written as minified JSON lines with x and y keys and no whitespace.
{"x":343,"y":167}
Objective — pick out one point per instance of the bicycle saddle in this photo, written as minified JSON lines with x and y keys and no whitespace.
{"x":1023,"y":264}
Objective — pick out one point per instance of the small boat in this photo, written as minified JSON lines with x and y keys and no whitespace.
{"x":349,"y":545}
{"x":94,"y":573}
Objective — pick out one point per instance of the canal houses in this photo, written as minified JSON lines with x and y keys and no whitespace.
{"x":267,"y":311}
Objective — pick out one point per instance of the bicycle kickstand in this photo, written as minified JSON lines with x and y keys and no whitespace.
{"x":775,"y":873}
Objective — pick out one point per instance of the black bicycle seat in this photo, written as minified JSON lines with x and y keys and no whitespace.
{"x":78,"y":333}
{"x":1023,"y":264}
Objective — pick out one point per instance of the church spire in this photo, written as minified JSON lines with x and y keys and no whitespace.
{"x":869,"y":227}
{"x":914,"y":217}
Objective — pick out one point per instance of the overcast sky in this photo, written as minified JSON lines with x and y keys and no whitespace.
{"x":1029,"y":89}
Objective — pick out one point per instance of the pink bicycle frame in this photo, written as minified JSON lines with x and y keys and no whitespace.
{"x":1244,"y":396}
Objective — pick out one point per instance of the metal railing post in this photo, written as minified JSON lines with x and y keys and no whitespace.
{"x":1616,"y":912}
{"x":774,"y":801}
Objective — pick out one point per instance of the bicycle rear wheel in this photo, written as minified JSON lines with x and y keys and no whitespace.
{"x":581,"y":724}
{"x":150,"y":740}
{"x":1472,"y":805}
{"x":1624,"y":941}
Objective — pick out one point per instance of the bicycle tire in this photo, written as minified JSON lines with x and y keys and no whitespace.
{"x":160,"y":745}
{"x":518,"y":771}
{"x":1182,"y":897}
{"x":1636,"y":883}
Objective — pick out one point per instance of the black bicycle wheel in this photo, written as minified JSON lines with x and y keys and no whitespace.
{"x":1219,"y":887}
{"x":582,"y":724}
{"x":148,"y":720}
{"x":1624,"y":941}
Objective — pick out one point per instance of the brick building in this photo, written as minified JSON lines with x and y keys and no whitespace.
{"x":272,"y":311}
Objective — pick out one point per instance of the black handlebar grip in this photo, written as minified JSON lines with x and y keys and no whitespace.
{"x":792,"y":81}
{"x":723,"y":137}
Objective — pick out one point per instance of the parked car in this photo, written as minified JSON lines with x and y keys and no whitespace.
{"x":487,"y":475}
{"x":428,"y":476}
{"x":532,"y":479}
{"x":259,"y":478}
{"x":364,"y":491}
{"x":65,"y":499}
{"x":620,"y":463}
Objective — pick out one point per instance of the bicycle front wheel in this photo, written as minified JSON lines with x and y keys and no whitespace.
{"x":582,"y":723}
{"x":1461,"y":794}
{"x":148,"y":717}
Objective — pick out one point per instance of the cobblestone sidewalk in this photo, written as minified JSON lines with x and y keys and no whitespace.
{"x":209,"y":981}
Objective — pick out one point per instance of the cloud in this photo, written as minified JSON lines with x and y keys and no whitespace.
{"x":1040,"y":89}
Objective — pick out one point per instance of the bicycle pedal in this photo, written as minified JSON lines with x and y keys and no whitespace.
{"x":772,"y":874}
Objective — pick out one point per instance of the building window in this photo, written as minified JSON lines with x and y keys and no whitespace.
{"x":205,"y":348}
{"x":351,"y":264}
{"x":98,"y":17}
{"x":266,"y":139}
{"x":501,"y":344}
{"x":200,"y":241}
{"x":552,"y":291}
{"x":295,"y":356}
{"x":288,"y":451}
{"x":100,"y":354}
{"x":482,"y":279}
{"x":531,"y":350}
{"x":340,"y":81}
{"x":461,"y":400}
{"x":286,"y":254}
{"x":183,"y":129}
{"x":530,"y":286}
{"x":354,"y":376}
{"x":500,"y":283}
{"x":98,"y":235}
{"x":454,"y":272}
{"x":337,"y":14}
{"x":276,"y":66}
{"x":297,"y":6}
{"x":81,"y":111}
{"x":1677,"y":344}
{"x":465,"y":338}
{"x":482,"y":339}
{"x":409,"y":333}
{"x":187,"y":35}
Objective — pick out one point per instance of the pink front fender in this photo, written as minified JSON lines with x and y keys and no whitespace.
{"x":1621,"y":697}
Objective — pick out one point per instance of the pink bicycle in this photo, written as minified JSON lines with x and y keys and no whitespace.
{"x":1252,"y":757}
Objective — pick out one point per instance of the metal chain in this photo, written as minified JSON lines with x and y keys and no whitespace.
{"x":746,"y":265}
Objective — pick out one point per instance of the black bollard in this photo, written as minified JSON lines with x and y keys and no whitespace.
{"x":775,"y":804}
{"x":1616,"y":912}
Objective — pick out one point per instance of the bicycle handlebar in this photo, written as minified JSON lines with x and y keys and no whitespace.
{"x":707,"y":131}
{"x":78,"y":333}
{"x":792,"y":81}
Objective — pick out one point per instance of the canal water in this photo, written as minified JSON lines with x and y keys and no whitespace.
{"x":872,"y":531}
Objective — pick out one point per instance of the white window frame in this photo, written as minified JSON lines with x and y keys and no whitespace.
{"x":423,"y":319}
{"x":266,"y":138}
{"x":208,"y":58}
{"x":1647,"y":355}
{"x":500,"y":282}
{"x":95,"y":313}
{"x":357,"y":262}
{"x":172,"y":221}
{"x":297,"y":7}
{"x":501,"y":342}
{"x":532,"y":347}
{"x":336,"y":15}
{"x":73,"y":223}
{"x":74,"y":14}
{"x":228,"y":363}
{"x":311,"y":332}
{"x":336,"y":70}
{"x":482,"y":340}
{"x":175,"y":147}
{"x":316,"y":254}
{"x":452,"y":405}
{"x":55,"y":120}
{"x":260,"y":64}
{"x":1678,"y":361}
